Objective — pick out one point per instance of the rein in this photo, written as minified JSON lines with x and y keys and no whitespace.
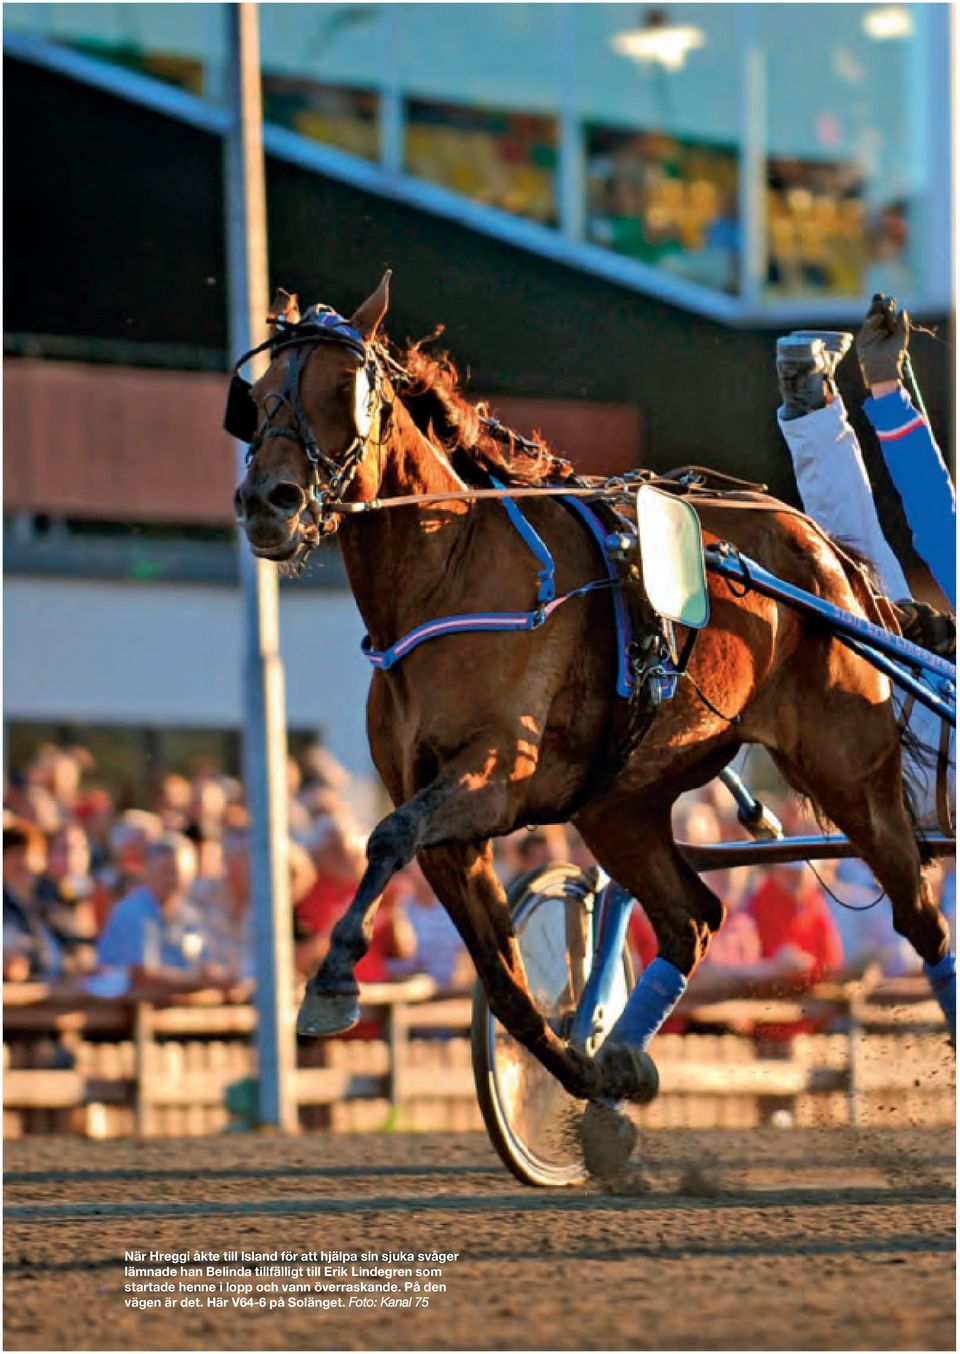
{"x":465,"y":496}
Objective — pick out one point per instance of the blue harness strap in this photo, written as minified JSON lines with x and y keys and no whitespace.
{"x":621,"y":615}
{"x":546,"y":581}
{"x":547,"y":600}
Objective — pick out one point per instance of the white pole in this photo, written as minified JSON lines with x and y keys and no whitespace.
{"x":265,"y":739}
{"x":571,"y":177}
{"x":753,"y":160}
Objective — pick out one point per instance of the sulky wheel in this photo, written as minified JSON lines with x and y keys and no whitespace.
{"x":529,"y":1116}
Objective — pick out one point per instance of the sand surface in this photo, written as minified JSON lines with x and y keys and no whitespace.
{"x":771,"y":1239}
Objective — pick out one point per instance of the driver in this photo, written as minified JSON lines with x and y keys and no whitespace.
{"x":829,"y":468}
{"x":836,"y":492}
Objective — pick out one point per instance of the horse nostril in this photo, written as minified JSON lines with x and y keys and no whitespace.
{"x":238,"y":504}
{"x":286,"y":498}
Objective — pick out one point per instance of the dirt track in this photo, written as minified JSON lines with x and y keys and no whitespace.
{"x":789,"y":1239}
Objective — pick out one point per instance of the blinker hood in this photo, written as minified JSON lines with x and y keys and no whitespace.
{"x":320,"y":324}
{"x":240,"y":416}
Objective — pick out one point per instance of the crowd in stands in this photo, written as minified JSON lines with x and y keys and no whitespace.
{"x":102,"y":899}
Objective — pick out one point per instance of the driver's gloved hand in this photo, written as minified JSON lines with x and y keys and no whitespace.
{"x":882,"y":341}
{"x":929,"y":628}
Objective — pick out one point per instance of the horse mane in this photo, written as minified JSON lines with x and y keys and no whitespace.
{"x":430,"y":390}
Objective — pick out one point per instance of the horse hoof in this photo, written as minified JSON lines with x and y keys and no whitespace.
{"x":584,"y":1081}
{"x":628,"y":1073}
{"x":607,"y":1139}
{"x":331,"y":1013}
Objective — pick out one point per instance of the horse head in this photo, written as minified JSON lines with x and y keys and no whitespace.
{"x":309,"y":422}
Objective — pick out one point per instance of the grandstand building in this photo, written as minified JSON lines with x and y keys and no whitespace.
{"x":612,"y":209}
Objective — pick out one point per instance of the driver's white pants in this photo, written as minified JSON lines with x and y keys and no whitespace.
{"x":835,"y":491}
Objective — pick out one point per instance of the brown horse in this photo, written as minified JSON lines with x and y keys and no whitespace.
{"x":476,"y":734}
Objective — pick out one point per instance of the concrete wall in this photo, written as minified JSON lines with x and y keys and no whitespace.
{"x":171,"y":655}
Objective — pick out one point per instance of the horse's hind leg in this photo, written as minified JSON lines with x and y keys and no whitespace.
{"x":466,"y":883}
{"x":633,"y":840}
{"x":866,"y":803}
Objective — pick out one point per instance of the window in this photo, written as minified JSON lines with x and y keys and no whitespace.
{"x":166,"y":42}
{"x":480,"y":85}
{"x":657,"y":91}
{"x":321,"y":73}
{"x":848,"y":166}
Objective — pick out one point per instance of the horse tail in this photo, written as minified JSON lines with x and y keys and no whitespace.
{"x":864,"y":579}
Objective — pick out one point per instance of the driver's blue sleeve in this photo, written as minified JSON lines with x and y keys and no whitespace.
{"x":922,"y":481}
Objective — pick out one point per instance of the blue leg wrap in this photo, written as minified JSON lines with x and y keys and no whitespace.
{"x":651,"y":1001}
{"x":942,"y":977}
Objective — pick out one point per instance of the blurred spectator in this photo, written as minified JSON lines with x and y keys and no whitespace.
{"x":127,"y":845}
{"x":156,"y":931}
{"x":208,"y":803}
{"x":797,"y":935}
{"x":303,"y":872}
{"x":866,"y":927}
{"x":58,"y":771}
{"x":210,"y":864}
{"x":339,"y":862}
{"x":129,"y":839}
{"x":439,"y":951}
{"x":172,"y":801}
{"x":321,"y":770}
{"x":299,"y":817}
{"x":68,"y":876}
{"x":579,"y":852}
{"x":38,"y":806}
{"x":30,"y":947}
{"x":697,"y":820}
{"x":227,"y":913}
{"x":316,"y":791}
{"x":794,"y":923}
{"x":94,"y":812}
{"x":227,"y":916}
{"x":65,"y":892}
{"x":531,"y":849}
{"x":15,"y":806}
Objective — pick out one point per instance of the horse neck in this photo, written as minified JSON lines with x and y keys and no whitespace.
{"x":396,"y":558}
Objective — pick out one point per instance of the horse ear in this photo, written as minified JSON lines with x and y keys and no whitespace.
{"x":368,"y":317}
{"x":286,"y":306}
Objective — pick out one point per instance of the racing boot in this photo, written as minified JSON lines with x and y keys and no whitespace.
{"x":836,"y":344}
{"x":803,"y":373}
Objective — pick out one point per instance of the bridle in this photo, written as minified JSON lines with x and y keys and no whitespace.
{"x":331,"y":477}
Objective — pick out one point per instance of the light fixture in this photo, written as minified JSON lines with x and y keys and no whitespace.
{"x":658,"y":42}
{"x":888,"y":23}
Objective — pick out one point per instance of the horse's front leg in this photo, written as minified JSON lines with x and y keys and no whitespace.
{"x":330,"y":1004}
{"x":444,"y":822}
{"x":467,"y":801}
